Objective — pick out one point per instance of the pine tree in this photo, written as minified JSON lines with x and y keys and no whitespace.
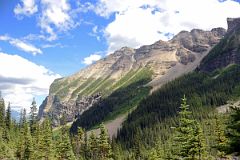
{"x":2,"y":113}
{"x":33,"y":116}
{"x":189,"y":138}
{"x":8,"y":117}
{"x":85,"y":146}
{"x":93,"y":146}
{"x":63,"y":146}
{"x":219,"y":137}
{"x":105,"y":150}
{"x":24,"y":146}
{"x":44,"y":141}
{"x":233,"y":130}
{"x":197,"y":143}
{"x":28,"y":145}
{"x":78,"y":143}
{"x":117,"y":150}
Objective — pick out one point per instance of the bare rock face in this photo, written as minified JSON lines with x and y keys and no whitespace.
{"x":225,"y":52}
{"x":75,"y":94}
{"x":233,"y":23}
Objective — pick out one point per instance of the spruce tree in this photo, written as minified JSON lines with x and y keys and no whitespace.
{"x":28,"y":145}
{"x":233,"y":130}
{"x":8,"y":117}
{"x":2,"y":113}
{"x":44,"y":140}
{"x":78,"y":143}
{"x":105,"y":150}
{"x":33,"y":116}
{"x":219,"y":137}
{"x":197,"y":143}
{"x":189,"y":138}
{"x":93,"y":146}
{"x":64,"y":147}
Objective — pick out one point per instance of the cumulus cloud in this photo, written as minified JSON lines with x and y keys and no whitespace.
{"x":92,"y":58}
{"x":26,"y":7}
{"x":53,"y":16}
{"x":56,"y":17}
{"x":24,"y":46}
{"x":145,"y":22}
{"x":21,"y":80}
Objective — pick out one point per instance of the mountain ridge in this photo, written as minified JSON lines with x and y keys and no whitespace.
{"x":103,"y":77}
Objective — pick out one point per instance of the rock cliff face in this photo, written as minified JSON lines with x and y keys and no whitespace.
{"x":233,"y":23}
{"x":166,"y":60}
{"x":227,"y":51}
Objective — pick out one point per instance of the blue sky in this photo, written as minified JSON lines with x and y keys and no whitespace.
{"x":41,"y":40}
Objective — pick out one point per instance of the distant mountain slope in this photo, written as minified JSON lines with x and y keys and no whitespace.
{"x":216,"y":81}
{"x":227,"y":51}
{"x":165,"y":61}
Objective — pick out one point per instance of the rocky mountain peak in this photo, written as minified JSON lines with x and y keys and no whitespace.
{"x":219,"y":31}
{"x":226,"y":52}
{"x":124,"y":50}
{"x":162,"y":60}
{"x":233,"y":23}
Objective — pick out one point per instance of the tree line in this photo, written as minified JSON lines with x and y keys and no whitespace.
{"x":30,"y":139}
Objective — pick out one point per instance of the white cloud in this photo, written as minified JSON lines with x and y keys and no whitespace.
{"x":144,"y":22}
{"x":21,"y":45}
{"x":53,"y":45}
{"x":55,"y":17}
{"x":21,"y":80}
{"x":4,"y":38}
{"x":95,"y":32}
{"x":92,"y":58}
{"x":25,"y":46}
{"x":26,"y":7}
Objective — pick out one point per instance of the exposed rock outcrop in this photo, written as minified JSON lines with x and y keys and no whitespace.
{"x":233,"y":23}
{"x":162,"y":57}
{"x":225,"y":52}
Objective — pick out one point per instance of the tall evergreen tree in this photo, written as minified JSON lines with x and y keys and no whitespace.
{"x":78,"y":143}
{"x":189,"y":140}
{"x":220,"y":137}
{"x":8,"y":117}
{"x":105,"y":150}
{"x":93,"y":147}
{"x":64,"y":147}
{"x":2,"y":112}
{"x":45,"y":140}
{"x":33,"y":116}
{"x":233,"y":130}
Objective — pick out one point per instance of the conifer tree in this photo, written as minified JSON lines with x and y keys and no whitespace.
{"x":8,"y":117}
{"x":220,"y":137}
{"x":105,"y":150}
{"x":28,"y":145}
{"x":64,"y":147}
{"x":233,"y":130}
{"x":197,"y":143}
{"x":33,"y":116}
{"x":2,"y":113}
{"x":93,"y":146}
{"x":189,"y":139}
{"x":78,"y":143}
{"x":85,"y":146}
{"x":45,"y":141}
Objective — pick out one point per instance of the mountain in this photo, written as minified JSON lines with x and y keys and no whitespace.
{"x":227,"y":51}
{"x":156,"y":64}
{"x":214,"y":83}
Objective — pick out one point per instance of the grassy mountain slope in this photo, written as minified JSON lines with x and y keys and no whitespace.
{"x":129,"y":94}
